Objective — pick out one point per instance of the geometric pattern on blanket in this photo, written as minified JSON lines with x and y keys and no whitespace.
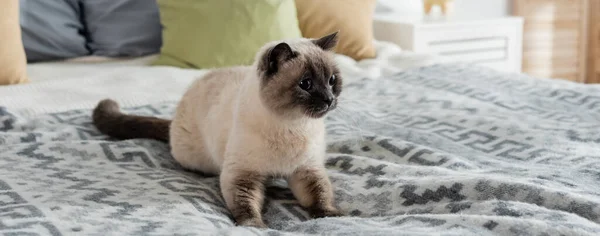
{"x":452,"y":149}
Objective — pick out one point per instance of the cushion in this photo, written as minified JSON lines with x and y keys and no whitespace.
{"x":52,"y":30}
{"x":211,"y":34}
{"x":352,"y":18}
{"x":12,"y":55}
{"x":122,"y":28}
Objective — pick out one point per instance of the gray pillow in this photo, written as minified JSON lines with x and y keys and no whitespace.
{"x":122,"y":28}
{"x":52,"y":29}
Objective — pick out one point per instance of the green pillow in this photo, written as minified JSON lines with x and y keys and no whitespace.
{"x":218,"y":33}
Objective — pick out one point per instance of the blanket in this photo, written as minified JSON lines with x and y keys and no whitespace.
{"x":436,"y":150}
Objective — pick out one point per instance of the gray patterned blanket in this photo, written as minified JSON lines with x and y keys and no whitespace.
{"x":438,"y":150}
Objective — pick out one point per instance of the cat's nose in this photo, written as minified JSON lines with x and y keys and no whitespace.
{"x":328,"y":100}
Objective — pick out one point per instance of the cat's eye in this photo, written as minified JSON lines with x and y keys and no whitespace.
{"x":332,"y":80}
{"x":305,"y":84}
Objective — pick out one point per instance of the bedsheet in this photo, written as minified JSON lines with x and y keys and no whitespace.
{"x":451,"y":149}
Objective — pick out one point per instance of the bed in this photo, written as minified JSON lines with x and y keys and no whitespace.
{"x":415,"y":148}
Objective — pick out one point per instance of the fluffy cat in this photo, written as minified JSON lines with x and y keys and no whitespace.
{"x":248,"y":123}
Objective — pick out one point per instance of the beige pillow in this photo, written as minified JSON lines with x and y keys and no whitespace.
{"x":13,"y":63}
{"x":352,"y":18}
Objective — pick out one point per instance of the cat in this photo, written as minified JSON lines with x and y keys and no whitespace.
{"x":250,"y":123}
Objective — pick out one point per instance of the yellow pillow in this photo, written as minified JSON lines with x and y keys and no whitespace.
{"x":13,"y":62}
{"x":353,"y":19}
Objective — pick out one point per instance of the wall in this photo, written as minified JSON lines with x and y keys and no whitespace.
{"x":488,"y":8}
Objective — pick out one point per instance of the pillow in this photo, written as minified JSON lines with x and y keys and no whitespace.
{"x":211,"y":33}
{"x":12,"y":56}
{"x":352,"y":18}
{"x":122,"y":28}
{"x":52,"y":29}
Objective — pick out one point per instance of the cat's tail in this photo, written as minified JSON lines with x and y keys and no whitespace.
{"x":108,"y":118}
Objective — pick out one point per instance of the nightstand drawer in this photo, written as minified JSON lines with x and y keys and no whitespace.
{"x":469,"y":49}
{"x":488,"y":55}
{"x":468,"y":44}
{"x":495,"y":43}
{"x":496,"y":46}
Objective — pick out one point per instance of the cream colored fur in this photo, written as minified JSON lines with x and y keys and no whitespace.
{"x":222,"y":126}
{"x":221,"y":123}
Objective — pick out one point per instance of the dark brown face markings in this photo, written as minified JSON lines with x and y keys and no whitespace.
{"x":323,"y":96}
{"x":280,"y":82}
{"x":337,"y":86}
{"x":248,"y":191}
{"x":283,"y":93}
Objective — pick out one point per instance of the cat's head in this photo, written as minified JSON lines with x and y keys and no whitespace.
{"x":299,"y":78}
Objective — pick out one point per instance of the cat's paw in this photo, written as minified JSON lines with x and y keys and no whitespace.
{"x":256,"y":223}
{"x":321,"y":212}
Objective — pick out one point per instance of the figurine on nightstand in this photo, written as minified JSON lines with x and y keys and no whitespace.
{"x":445,"y":5}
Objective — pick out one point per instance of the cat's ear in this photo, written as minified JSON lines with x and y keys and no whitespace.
{"x":327,"y":42}
{"x":277,"y":55}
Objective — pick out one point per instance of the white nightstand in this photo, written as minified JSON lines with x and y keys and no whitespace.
{"x":495,"y":43}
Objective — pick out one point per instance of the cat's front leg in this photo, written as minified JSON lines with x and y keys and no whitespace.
{"x":244,"y":195}
{"x":311,"y":186}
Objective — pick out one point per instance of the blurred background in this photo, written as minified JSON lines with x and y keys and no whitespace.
{"x":560,"y":37}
